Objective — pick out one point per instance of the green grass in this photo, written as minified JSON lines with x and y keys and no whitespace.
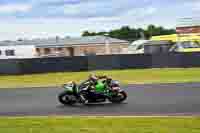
{"x":99,"y":125}
{"x":141,"y":76}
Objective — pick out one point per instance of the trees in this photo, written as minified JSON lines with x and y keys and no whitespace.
{"x":131,"y":34}
{"x":87,"y":33}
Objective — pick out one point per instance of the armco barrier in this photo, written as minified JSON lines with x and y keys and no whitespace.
{"x":191,"y":60}
{"x":135,"y":61}
{"x":43,"y":65}
{"x":104,"y":62}
{"x":9,"y":67}
{"x":166,"y":60}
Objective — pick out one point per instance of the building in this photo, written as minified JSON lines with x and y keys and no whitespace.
{"x":93,"y":45}
{"x":57,"y":47}
{"x":188,"y":29}
{"x":9,"y":50}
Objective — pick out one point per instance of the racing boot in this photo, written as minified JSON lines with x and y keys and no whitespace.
{"x":83,"y":99}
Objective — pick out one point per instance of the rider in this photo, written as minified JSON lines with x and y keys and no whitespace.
{"x":93,"y":80}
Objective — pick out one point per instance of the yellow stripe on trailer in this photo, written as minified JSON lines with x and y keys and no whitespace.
{"x":190,"y":50}
{"x":176,"y":38}
{"x":172,"y":37}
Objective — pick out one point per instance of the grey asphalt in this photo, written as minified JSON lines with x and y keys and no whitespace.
{"x":157,"y":99}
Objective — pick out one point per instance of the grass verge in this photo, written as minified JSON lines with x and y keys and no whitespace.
{"x":141,"y":76}
{"x":99,"y":125}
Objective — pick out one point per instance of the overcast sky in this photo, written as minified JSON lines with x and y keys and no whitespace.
{"x":48,"y":18}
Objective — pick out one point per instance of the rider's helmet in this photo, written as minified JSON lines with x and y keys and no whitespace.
{"x":115,"y":83}
{"x":93,"y":77}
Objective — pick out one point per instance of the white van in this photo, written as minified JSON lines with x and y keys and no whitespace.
{"x":137,"y":47}
{"x":148,"y":46}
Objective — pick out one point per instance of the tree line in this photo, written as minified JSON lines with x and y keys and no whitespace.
{"x":131,"y":34}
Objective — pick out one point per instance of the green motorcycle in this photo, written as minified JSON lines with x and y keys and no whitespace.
{"x":103,"y":90}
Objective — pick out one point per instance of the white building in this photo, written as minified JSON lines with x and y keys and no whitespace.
{"x":17,"y":51}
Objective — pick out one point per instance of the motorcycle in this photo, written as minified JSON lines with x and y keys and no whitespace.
{"x":107,"y":89}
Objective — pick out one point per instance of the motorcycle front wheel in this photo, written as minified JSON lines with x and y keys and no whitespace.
{"x":122,"y":96}
{"x":66,"y":99}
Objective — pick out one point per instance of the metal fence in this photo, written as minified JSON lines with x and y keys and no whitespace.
{"x":105,"y":62}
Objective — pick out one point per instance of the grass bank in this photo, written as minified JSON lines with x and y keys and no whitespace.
{"x":139,"y":76}
{"x":99,"y":125}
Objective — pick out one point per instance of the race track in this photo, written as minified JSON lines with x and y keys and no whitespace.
{"x":160,"y":99}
